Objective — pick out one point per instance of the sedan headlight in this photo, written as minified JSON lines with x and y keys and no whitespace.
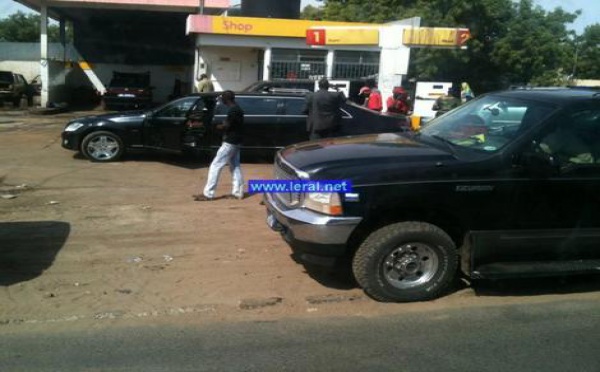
{"x":324,"y":202}
{"x":73,"y":127}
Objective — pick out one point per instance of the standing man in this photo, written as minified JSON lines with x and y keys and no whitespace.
{"x":324,"y":117}
{"x":204,"y":84}
{"x":466,"y":94}
{"x":308,"y":110}
{"x":447,"y":102}
{"x":229,"y":152}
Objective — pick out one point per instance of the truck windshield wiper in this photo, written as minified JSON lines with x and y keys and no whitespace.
{"x":446,"y":141}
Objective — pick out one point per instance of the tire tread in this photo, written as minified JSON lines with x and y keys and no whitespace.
{"x":371,"y":246}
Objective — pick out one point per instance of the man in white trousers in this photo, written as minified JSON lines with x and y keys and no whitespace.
{"x":229,"y":152}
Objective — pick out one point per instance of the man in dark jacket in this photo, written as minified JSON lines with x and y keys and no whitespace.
{"x":324,"y":118}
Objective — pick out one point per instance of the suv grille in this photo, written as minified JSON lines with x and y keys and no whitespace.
{"x":283,"y":171}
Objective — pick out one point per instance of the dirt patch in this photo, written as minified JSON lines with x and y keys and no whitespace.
{"x":125,"y":242}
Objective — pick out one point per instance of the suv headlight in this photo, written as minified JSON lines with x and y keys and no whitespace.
{"x":73,"y":127}
{"x":323,"y":202}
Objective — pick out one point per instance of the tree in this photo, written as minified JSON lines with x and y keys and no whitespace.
{"x":535,"y":47}
{"x":312,"y":13}
{"x":373,"y":11}
{"x":21,"y":27}
{"x":587,"y":54}
{"x":512,"y":41}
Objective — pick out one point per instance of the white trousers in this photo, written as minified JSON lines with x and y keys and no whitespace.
{"x":227,"y":154}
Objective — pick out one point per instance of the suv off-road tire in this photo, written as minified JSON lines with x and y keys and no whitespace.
{"x":405,"y":262}
{"x":102,"y":146}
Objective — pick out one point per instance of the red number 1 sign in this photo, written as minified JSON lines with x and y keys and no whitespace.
{"x":315,"y":37}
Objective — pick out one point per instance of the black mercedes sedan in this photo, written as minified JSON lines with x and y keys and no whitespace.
{"x":187,"y":125}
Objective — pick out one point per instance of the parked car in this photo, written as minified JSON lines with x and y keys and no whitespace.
{"x":503,"y":186}
{"x":128,"y":90}
{"x":35,"y":86}
{"x":301,"y":86}
{"x":13,"y":87}
{"x":291,"y":86}
{"x":272,"y":121}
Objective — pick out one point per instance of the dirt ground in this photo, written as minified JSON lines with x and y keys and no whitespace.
{"x":85,"y":243}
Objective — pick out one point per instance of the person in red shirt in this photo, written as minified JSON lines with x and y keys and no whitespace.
{"x":372,"y":96}
{"x":398,"y":101}
{"x":375,"y":102}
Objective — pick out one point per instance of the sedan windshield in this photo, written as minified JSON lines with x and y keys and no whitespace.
{"x":488,"y":123}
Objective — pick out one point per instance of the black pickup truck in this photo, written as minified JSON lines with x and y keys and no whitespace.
{"x":506,"y":185}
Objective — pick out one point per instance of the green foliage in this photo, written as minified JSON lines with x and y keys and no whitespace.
{"x":513,"y":42}
{"x":312,"y":12}
{"x":587,"y":54}
{"x":21,"y":27}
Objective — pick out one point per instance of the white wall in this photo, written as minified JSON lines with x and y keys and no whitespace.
{"x":231,"y":68}
{"x":29,"y":69}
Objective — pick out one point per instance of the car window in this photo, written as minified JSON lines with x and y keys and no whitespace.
{"x":574,"y":138}
{"x":488,"y":123}
{"x":256,"y":87}
{"x":127,"y":80}
{"x":205,"y":102}
{"x":176,"y":109}
{"x":260,"y":106}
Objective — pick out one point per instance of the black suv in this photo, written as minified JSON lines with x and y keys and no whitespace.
{"x":506,"y":185}
{"x":13,"y":87}
{"x":272,"y":121}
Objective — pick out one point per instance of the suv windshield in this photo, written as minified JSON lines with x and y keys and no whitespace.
{"x":488,"y":123}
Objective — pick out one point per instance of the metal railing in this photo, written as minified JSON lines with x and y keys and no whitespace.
{"x":316,"y":70}
{"x":354,"y":70}
{"x":297,"y":70}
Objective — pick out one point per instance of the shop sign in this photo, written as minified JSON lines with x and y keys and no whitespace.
{"x":249,"y":26}
{"x":343,"y":36}
{"x":435,"y":36}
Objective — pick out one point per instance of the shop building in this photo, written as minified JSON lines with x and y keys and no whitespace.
{"x":178,"y":40}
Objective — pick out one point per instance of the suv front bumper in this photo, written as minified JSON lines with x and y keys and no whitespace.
{"x":310,"y":232}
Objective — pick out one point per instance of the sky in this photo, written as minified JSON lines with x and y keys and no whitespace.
{"x":590,"y":8}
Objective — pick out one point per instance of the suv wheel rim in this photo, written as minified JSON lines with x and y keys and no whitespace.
{"x":103,"y":147}
{"x":410,"y":265}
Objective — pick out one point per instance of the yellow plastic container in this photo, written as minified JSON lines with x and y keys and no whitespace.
{"x":415,"y":122}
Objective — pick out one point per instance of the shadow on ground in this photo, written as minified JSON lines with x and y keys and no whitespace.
{"x":179,"y":160}
{"x":337,"y":276}
{"x":27,"y":249}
